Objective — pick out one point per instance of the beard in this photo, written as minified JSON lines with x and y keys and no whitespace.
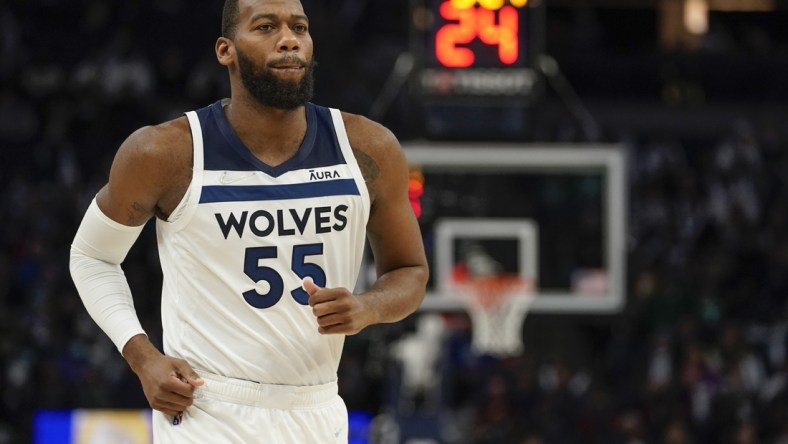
{"x":270,"y":90}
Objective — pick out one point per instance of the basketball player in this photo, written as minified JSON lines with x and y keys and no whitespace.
{"x":263,"y":203}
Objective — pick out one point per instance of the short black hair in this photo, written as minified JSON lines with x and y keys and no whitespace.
{"x":230,"y":16}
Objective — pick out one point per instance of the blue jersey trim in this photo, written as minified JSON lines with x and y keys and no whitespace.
{"x":224,"y":150}
{"x":253,"y":193}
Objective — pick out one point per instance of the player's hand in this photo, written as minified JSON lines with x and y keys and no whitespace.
{"x":168,"y":384}
{"x":338,"y":311}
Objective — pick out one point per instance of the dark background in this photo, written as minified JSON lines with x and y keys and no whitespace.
{"x":698,"y":355}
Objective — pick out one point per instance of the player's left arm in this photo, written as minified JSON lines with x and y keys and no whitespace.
{"x":394,"y":237}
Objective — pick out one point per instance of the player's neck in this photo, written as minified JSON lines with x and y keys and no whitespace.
{"x":272,"y":134}
{"x":245,"y":109}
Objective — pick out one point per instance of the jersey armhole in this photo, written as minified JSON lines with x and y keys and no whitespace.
{"x":350,"y":158}
{"x":182,"y":213}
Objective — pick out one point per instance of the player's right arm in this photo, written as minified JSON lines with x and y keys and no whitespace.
{"x":150,"y":170}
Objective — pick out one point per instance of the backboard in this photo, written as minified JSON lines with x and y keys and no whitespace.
{"x":554,"y":213}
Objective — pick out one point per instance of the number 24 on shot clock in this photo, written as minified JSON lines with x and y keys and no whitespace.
{"x":477,"y":49}
{"x":495,"y":23}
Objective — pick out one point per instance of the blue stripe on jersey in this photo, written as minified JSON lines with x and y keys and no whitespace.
{"x":251,"y":193}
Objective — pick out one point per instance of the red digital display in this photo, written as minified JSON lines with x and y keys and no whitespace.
{"x":476,"y":48}
{"x":498,"y":28}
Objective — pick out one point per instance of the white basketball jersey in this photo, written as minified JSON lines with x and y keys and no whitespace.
{"x":236,"y":249}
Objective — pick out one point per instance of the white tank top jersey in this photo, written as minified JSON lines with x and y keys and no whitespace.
{"x":237,"y":247}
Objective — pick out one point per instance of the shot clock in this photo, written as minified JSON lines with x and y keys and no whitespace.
{"x":476,"y":49}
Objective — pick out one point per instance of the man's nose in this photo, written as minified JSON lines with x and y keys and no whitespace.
{"x":289,"y":42}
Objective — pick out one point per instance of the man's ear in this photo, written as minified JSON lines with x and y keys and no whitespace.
{"x":225,"y":51}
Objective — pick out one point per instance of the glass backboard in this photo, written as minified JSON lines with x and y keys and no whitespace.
{"x":552,"y":213}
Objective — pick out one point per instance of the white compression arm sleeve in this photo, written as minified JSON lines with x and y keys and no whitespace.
{"x":98,"y":249}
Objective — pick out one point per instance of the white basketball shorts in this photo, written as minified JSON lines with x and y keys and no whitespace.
{"x":227,"y":410}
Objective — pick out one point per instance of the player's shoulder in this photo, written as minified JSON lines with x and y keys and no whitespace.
{"x":378,"y":153}
{"x":369,"y":136}
{"x":160,"y":139}
{"x":160,"y":152}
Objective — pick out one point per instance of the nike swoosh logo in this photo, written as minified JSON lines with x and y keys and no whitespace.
{"x":227,"y":179}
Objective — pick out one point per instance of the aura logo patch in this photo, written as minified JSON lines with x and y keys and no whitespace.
{"x":323,"y":175}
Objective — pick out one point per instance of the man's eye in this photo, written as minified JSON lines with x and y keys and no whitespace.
{"x":300,"y":28}
{"x":266,"y":27}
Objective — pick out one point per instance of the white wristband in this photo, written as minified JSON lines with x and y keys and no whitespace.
{"x":99,"y":247}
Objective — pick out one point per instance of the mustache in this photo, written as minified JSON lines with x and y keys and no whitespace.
{"x":289,"y":60}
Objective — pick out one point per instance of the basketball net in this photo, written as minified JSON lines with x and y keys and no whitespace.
{"x":497,"y":305}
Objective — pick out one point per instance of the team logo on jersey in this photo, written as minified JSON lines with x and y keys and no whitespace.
{"x":293,"y":221}
{"x":177,"y":419}
{"x":322,"y":175}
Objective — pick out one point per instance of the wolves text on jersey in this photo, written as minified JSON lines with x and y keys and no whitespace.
{"x":285,"y":222}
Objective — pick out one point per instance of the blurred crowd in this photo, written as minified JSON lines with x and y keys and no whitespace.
{"x":698,"y":356}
